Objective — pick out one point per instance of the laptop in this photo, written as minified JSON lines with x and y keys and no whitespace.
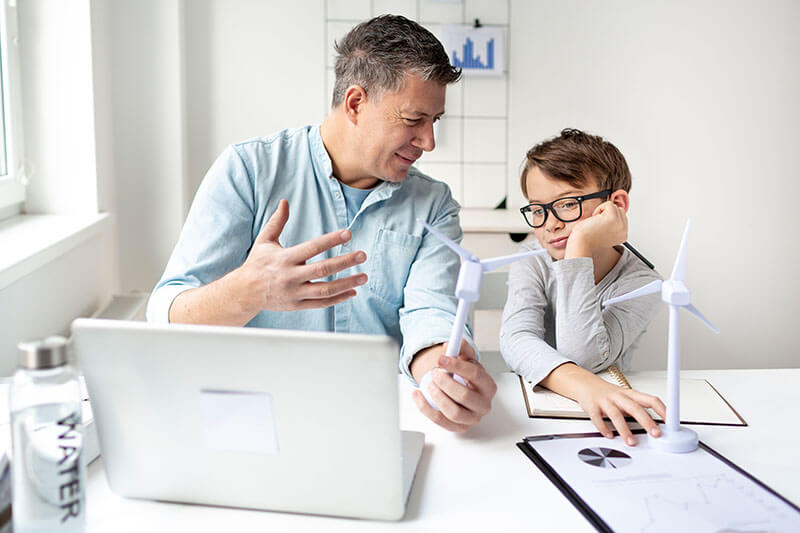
{"x":277,"y":420}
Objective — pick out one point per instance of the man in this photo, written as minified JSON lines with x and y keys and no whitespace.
{"x":243,"y":260}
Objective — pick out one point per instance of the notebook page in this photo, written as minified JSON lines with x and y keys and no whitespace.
{"x":699,"y":401}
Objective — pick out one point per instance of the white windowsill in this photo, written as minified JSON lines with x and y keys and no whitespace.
{"x":27,"y":242}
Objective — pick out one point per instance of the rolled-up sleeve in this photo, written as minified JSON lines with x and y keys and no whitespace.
{"x":429,"y":307}
{"x":216,"y":236}
{"x":161,"y":299}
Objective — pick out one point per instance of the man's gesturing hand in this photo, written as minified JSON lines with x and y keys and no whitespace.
{"x":278,"y":278}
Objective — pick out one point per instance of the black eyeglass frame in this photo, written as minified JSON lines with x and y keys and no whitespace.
{"x":548,"y":208}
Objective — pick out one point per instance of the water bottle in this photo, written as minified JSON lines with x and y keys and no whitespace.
{"x":48,"y":466}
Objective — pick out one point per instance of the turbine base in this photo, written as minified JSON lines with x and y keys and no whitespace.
{"x":683,"y":440}
{"x":425,"y":382}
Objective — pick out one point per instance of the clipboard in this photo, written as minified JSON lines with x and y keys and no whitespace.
{"x":600,"y":478}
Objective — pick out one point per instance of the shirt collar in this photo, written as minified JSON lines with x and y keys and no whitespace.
{"x":319,"y":155}
{"x":324,"y":169}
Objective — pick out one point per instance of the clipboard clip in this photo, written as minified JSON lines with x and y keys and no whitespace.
{"x":477,"y":23}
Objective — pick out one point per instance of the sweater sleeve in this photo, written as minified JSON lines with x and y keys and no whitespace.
{"x":581,"y":334}
{"x":588,"y":335}
{"x":216,"y":236}
{"x":522,"y":333}
{"x":626,"y":321}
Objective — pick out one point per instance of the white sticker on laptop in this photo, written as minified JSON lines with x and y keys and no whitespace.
{"x":238,"y":421}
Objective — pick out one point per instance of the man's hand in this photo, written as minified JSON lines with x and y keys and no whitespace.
{"x":279,"y":278}
{"x":461,"y":406}
{"x":607,"y":227}
{"x":273,"y":278}
{"x":600,"y":398}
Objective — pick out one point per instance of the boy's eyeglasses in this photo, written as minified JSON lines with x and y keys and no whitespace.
{"x":567,"y":209}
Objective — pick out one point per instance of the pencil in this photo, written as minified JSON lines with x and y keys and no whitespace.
{"x":633,"y":250}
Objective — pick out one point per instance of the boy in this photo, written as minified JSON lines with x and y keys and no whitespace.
{"x":554,"y":331}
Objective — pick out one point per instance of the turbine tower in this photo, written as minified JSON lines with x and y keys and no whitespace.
{"x":675,"y":438}
{"x":468,"y":289}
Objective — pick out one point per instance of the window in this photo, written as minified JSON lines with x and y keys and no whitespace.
{"x":12,"y":180}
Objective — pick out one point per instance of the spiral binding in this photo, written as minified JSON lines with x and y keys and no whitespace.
{"x":619,"y":376}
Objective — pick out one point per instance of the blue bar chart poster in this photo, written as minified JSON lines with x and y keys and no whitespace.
{"x":478,"y":51}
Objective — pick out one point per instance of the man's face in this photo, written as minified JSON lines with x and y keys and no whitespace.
{"x":543,"y":189}
{"x":395,"y":130}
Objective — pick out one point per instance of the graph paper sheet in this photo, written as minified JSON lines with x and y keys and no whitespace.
{"x":641,"y":489}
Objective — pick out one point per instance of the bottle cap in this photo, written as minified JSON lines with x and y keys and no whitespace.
{"x":45,"y":353}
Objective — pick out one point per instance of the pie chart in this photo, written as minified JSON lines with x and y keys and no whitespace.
{"x":604,"y":457}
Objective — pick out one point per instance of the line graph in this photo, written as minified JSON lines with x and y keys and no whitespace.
{"x":684,"y":503}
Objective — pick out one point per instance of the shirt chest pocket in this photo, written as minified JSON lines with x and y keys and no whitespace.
{"x":390,"y":262}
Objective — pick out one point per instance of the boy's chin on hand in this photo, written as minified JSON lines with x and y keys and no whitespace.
{"x":577,"y":245}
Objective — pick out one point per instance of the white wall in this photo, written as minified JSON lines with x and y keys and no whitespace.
{"x":189,"y":78}
{"x":701,"y":97}
{"x":148,"y":134}
{"x":252,"y":68}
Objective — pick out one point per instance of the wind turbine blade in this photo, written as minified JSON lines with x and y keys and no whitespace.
{"x":650,"y":288}
{"x":692,"y":309}
{"x":679,"y":270}
{"x":497,"y":262}
{"x":448,"y":242}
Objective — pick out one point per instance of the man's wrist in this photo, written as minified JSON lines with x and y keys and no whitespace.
{"x":237,"y":293}
{"x":425,"y":360}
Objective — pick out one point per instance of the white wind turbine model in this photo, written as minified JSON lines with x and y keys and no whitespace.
{"x":674,"y":438}
{"x":468,"y":288}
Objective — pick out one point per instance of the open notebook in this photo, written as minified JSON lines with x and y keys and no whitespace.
{"x":700,"y":401}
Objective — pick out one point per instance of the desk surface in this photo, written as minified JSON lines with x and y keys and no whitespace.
{"x":481,"y":481}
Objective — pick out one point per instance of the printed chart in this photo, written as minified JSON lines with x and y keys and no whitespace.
{"x":642,"y":489}
{"x":604,"y":457}
{"x":476,"y":50}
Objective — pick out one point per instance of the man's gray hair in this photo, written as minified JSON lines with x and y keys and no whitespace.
{"x":377,"y":55}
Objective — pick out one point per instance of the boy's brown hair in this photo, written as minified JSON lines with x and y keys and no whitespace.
{"x":575,"y":156}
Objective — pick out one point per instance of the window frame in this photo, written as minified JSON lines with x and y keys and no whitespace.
{"x":12,"y":185}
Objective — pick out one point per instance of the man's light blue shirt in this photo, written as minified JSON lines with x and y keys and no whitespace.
{"x":353,"y":198}
{"x":412,"y":275}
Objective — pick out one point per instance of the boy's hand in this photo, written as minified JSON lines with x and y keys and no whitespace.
{"x":600,"y":398}
{"x":607,"y":227}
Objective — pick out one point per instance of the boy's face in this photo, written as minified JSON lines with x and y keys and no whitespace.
{"x":543,"y":189}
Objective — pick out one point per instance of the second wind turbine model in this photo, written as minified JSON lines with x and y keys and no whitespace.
{"x":468,"y":289}
{"x":675,"y":438}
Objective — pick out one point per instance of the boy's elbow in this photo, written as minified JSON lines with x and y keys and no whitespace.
{"x":584,"y":359}
{"x":593,"y":356}
{"x":510,"y":355}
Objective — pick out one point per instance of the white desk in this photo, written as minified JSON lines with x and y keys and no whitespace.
{"x":481,"y":481}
